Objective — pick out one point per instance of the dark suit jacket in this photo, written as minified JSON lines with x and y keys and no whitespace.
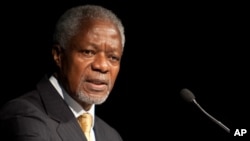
{"x":42,"y":115}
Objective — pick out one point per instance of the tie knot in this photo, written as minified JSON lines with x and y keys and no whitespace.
{"x":85,"y":121}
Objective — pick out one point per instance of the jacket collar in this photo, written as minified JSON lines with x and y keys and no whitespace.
{"x":57,"y":109}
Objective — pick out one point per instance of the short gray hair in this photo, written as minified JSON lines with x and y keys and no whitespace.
{"x":69,"y":23}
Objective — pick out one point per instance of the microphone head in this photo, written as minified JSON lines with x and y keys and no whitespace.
{"x":187,"y":95}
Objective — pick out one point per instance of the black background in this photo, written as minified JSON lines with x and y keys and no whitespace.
{"x":169,"y":46}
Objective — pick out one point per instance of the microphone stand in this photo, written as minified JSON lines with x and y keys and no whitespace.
{"x":211,"y":117}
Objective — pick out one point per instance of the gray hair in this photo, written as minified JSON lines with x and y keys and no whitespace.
{"x":69,"y":23}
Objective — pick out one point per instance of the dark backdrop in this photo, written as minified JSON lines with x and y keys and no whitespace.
{"x":169,"y":46}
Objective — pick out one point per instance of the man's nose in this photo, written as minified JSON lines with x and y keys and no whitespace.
{"x":101,"y":63}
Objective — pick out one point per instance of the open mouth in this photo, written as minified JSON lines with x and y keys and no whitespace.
{"x":97,"y":85}
{"x":98,"y":81}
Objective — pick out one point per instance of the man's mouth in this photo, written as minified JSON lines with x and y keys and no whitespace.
{"x":97,"y":84}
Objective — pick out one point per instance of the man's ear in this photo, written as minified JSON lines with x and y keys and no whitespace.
{"x":57,"y":53}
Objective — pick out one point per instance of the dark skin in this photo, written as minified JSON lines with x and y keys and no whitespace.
{"x":89,"y":66}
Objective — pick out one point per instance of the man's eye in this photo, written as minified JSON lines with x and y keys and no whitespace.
{"x":114,"y":58}
{"x":88,"y":52}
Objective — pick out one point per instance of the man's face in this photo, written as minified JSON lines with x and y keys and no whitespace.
{"x":91,"y":63}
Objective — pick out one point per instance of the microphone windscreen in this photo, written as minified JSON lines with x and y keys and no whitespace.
{"x":187,"y":95}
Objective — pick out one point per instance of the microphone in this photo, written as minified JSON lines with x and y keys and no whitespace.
{"x":188,"y":96}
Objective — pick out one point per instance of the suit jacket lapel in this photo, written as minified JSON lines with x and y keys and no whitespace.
{"x":58,"y":110}
{"x":99,"y":130}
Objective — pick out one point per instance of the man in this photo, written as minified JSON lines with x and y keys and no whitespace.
{"x":88,"y":47}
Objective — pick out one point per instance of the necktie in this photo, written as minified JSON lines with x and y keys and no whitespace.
{"x":85,"y":121}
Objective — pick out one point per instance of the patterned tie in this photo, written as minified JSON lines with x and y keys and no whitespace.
{"x":85,"y":121}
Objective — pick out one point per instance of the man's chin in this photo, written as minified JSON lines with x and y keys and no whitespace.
{"x":98,"y":99}
{"x":95,"y":99}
